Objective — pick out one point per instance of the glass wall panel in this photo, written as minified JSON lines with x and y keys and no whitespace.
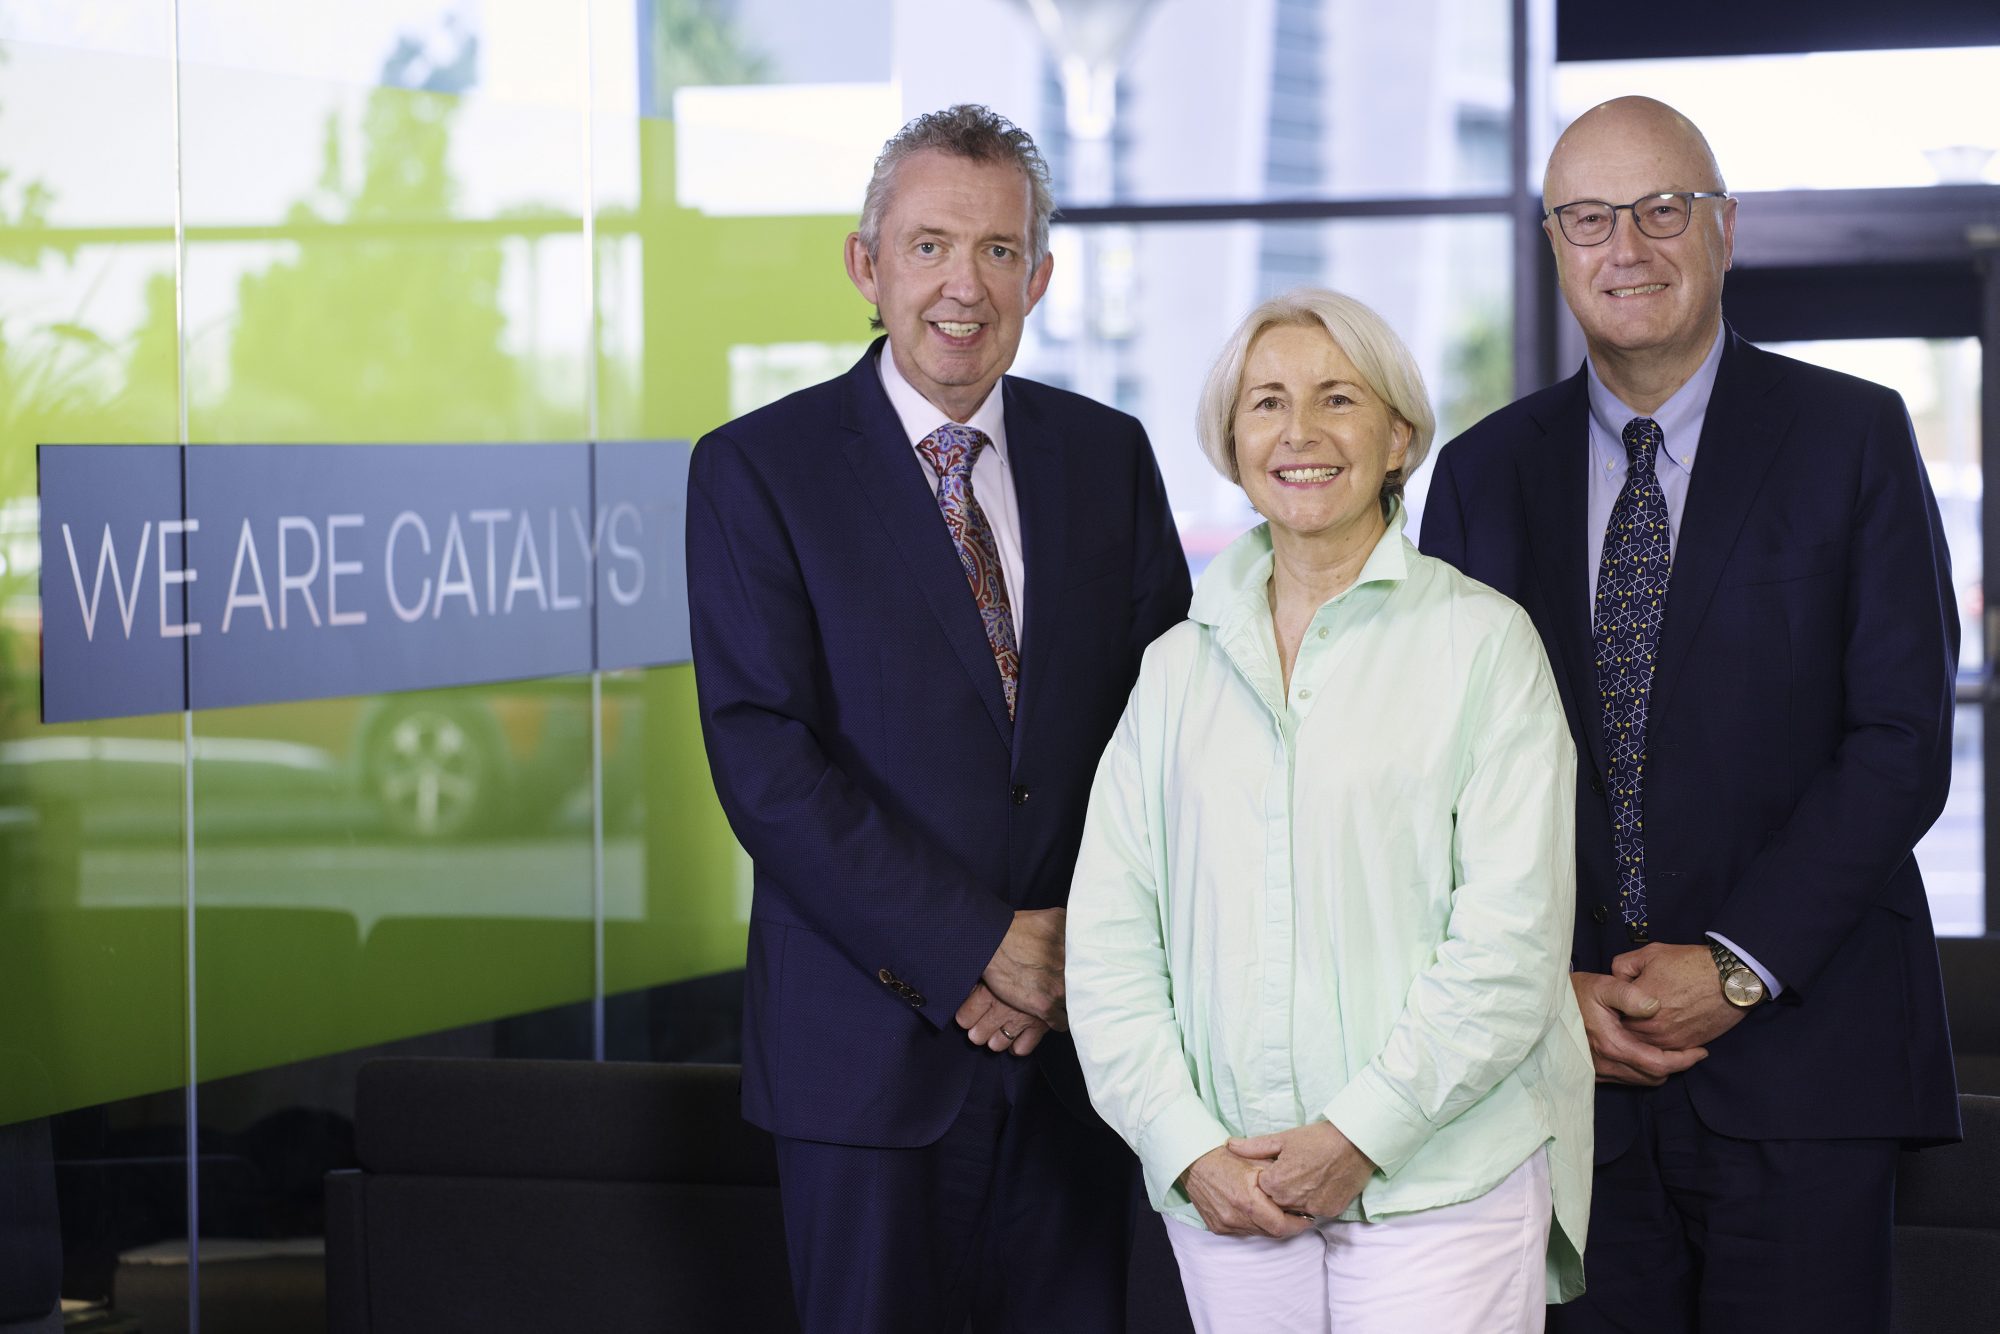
{"x":702,"y":314}
{"x":1939,"y":382}
{"x":1288,"y":98}
{"x":1155,"y":101}
{"x":93,"y":985}
{"x":385,"y":208}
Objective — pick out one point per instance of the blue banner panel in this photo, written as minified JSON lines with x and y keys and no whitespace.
{"x":642,"y":617}
{"x":352,"y":569}
{"x":113,"y":580}
{"x":288,"y":572}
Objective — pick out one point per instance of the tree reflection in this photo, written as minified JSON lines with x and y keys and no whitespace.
{"x":388,"y":323}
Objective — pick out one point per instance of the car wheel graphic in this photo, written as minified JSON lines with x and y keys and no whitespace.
{"x":435,"y":772}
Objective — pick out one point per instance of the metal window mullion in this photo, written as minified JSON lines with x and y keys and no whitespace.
{"x":1532,"y":56}
{"x":1282,"y":210}
{"x":590,"y":260}
{"x":191,"y":1103}
{"x":1989,"y":523}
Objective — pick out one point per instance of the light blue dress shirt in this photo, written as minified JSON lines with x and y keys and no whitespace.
{"x":1680,"y":420}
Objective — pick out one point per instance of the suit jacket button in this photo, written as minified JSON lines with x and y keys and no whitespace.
{"x":1599,"y":913}
{"x":1597,"y":785}
{"x":1021,"y":795}
{"x":917,"y":999}
{"x":888,"y":978}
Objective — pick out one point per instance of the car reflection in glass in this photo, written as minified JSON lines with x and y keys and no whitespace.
{"x":426,"y":766}
{"x":433,"y":766}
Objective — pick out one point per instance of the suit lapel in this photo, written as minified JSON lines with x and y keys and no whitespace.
{"x":893,"y":481}
{"x":1740,"y":435}
{"x":1554,"y":472}
{"x":1037,"y":457}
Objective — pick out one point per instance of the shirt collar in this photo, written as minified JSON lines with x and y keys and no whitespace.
{"x":1237,"y":581}
{"x":1679,"y":418}
{"x":920,"y":416}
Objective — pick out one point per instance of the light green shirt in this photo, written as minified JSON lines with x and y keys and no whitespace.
{"x":1353,"y":904}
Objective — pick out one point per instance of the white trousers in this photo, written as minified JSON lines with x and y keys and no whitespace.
{"x":1471,"y":1268}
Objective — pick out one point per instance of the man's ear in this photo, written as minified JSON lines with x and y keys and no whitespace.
{"x":1038,"y":281}
{"x":861,"y":268}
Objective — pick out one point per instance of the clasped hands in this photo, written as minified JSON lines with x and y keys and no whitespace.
{"x":1653,"y":1014}
{"x":1277,"y":1185}
{"x":1019,"y":997}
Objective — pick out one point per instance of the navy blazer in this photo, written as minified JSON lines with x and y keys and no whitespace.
{"x":1798,"y":737}
{"x":859,"y":738}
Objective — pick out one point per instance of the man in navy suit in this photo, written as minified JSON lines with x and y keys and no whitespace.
{"x":919,"y":596}
{"x":1758,"y":667}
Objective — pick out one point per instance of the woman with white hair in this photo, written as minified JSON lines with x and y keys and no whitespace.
{"x":1319,"y":932}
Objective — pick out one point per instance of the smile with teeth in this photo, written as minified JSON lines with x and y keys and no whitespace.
{"x":956,"y":328}
{"x":1647,"y":290}
{"x":1305,"y":475}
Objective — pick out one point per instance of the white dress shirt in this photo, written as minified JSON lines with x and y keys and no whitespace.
{"x":1680,"y":420}
{"x":992,"y":478}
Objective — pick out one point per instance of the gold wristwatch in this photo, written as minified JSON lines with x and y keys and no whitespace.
{"x":1741,"y":986}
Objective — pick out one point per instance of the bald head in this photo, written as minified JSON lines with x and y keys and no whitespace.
{"x":1647,"y":134}
{"x":1650,"y":306}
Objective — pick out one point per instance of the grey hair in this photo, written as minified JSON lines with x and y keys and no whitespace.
{"x":968,"y":131}
{"x":1385,"y":364}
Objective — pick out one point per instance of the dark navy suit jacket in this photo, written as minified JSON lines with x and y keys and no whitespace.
{"x":1798,"y":736}
{"x":859,"y":738}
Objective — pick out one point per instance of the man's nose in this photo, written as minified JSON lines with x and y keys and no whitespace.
{"x":1628,"y":244}
{"x":961,"y":280}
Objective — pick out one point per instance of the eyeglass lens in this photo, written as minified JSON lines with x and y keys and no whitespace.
{"x":1589,"y":221}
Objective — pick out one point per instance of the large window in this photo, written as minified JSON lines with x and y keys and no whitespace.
{"x":1128,"y":322}
{"x":1828,"y":120}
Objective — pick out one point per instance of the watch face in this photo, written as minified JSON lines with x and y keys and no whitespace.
{"x":1742,"y":988}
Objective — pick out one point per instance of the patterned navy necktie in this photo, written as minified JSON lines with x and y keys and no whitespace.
{"x":951,"y":450}
{"x":1631,"y":605}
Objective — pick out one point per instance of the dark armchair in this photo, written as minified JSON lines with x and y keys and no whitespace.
{"x":540,"y":1195}
{"x":1948,"y":1230}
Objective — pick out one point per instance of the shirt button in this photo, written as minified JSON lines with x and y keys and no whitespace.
{"x":1305,"y":694}
{"x":1322,"y":632}
{"x":1021,"y":795}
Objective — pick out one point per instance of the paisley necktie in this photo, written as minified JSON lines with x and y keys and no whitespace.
{"x":951,"y":450}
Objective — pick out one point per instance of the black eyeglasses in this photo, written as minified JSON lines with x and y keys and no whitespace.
{"x":1661,"y":216}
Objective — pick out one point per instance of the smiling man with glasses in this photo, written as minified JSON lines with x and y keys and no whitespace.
{"x":1757,"y":665}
